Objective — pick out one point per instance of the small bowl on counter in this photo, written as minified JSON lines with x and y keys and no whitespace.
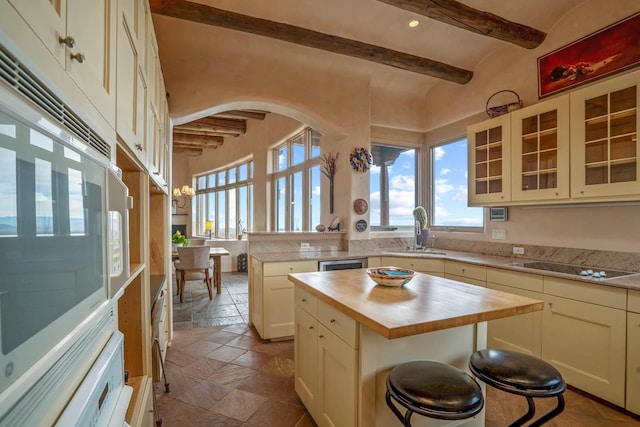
{"x":390,"y":276}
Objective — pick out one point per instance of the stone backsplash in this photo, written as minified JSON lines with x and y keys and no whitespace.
{"x":291,"y":242}
{"x":627,"y":261}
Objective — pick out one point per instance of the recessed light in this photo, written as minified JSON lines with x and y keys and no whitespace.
{"x":414,"y":23}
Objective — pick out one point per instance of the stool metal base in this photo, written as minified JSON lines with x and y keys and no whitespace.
{"x":523,"y":375}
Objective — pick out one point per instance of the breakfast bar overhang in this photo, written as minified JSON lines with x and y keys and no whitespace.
{"x":428,"y":318}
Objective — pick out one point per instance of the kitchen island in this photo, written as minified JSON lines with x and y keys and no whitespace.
{"x":350,"y":333}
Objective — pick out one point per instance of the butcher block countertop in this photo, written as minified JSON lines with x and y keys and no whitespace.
{"x":425,"y":304}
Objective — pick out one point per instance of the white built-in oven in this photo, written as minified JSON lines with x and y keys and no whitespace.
{"x":56,"y":247}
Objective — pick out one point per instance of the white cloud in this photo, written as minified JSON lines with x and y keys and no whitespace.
{"x":438,"y":153}
{"x":374,"y":169}
{"x":315,"y":190}
{"x":445,"y":171}
{"x":443,"y":187}
{"x":461,"y":194}
{"x":402,"y":182}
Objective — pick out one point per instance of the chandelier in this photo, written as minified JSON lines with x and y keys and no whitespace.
{"x":182,"y":196}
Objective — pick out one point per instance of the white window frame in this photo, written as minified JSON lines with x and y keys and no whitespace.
{"x":287,"y":173}
{"x":204,"y":193}
{"x":433,"y":181}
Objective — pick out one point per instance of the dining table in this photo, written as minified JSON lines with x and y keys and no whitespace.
{"x":216,"y":254}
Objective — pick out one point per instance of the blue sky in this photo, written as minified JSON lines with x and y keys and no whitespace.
{"x":450,"y":189}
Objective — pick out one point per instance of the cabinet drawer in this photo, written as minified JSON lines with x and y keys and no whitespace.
{"x":466,"y":280}
{"x":415,"y":264}
{"x":306,"y":300}
{"x":596,"y":294}
{"x":515,"y":279}
{"x":284,"y":268}
{"x":338,"y":323}
{"x":633,"y":303}
{"x":462,"y":269}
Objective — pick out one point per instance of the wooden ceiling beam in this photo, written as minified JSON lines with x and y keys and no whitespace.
{"x":233,"y":114}
{"x":462,"y":16}
{"x":208,"y":129}
{"x":189,"y":151}
{"x":201,"y":140}
{"x":231,"y":124}
{"x":187,"y":132}
{"x":208,"y":15}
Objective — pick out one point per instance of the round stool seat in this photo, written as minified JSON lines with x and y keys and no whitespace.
{"x":435,"y":390}
{"x":517,"y":373}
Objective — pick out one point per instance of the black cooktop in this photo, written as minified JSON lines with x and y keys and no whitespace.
{"x":576,"y":269}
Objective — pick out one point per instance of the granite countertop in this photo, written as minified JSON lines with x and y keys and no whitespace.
{"x":425,"y":304}
{"x":630,"y":282}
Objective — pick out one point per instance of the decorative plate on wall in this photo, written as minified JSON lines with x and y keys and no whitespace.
{"x":360,"y":206}
{"x":360,"y":159}
{"x":361,"y":225}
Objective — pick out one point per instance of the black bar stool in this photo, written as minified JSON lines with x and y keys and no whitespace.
{"x":520,"y":374}
{"x":434,"y":390}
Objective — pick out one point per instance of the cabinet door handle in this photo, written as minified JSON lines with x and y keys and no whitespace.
{"x":67,"y":41}
{"x":78,"y":57}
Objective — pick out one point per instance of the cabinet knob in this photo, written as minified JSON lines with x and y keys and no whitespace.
{"x":78,"y":57}
{"x":463,"y":270}
{"x":310,"y":328}
{"x":321,"y":336}
{"x":67,"y":41}
{"x":304,"y":300}
{"x":139,"y":147}
{"x":333,"y":320}
{"x":550,"y":305}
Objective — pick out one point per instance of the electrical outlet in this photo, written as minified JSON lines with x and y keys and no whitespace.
{"x":499,"y":234}
{"x":518,"y":250}
{"x":304,"y":246}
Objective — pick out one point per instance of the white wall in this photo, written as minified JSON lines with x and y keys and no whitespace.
{"x":348,"y":111}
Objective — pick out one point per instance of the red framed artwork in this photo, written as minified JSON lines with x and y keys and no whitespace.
{"x":607,"y":51}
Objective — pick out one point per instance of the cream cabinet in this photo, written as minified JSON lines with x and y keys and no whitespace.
{"x":81,"y":36}
{"x":540,"y":151}
{"x":466,"y":273}
{"x":521,"y":333}
{"x":605,"y":150}
{"x":490,"y":162}
{"x":272,"y":301}
{"x":584,"y":335}
{"x":326,"y":373}
{"x":131,"y":80}
{"x":633,"y":352}
{"x":432,"y":266}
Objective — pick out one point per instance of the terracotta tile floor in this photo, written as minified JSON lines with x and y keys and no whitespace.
{"x":221,"y":374}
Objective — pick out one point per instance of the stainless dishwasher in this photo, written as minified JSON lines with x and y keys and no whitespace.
{"x":342,"y":264}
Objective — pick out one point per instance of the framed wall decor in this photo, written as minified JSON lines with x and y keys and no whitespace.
{"x":607,"y":51}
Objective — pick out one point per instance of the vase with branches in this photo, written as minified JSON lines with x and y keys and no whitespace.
{"x":329,"y":170}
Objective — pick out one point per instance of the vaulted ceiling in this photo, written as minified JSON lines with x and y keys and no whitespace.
{"x":370,"y":37}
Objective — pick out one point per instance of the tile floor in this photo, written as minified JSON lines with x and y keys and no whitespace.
{"x":222,"y":374}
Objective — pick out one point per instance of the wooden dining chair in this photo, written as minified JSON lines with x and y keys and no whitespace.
{"x":193,"y":264}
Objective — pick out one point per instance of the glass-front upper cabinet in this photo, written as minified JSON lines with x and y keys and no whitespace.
{"x":540,"y":151}
{"x":489,"y":162}
{"x":604,"y":133}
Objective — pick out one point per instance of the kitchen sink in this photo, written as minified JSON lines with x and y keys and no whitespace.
{"x":429,"y":251}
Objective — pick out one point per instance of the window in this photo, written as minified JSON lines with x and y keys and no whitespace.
{"x":449,"y":164}
{"x":296,"y":182}
{"x":393,"y":186}
{"x":225,"y":199}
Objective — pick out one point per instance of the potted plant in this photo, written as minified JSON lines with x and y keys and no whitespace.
{"x":178,"y":239}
